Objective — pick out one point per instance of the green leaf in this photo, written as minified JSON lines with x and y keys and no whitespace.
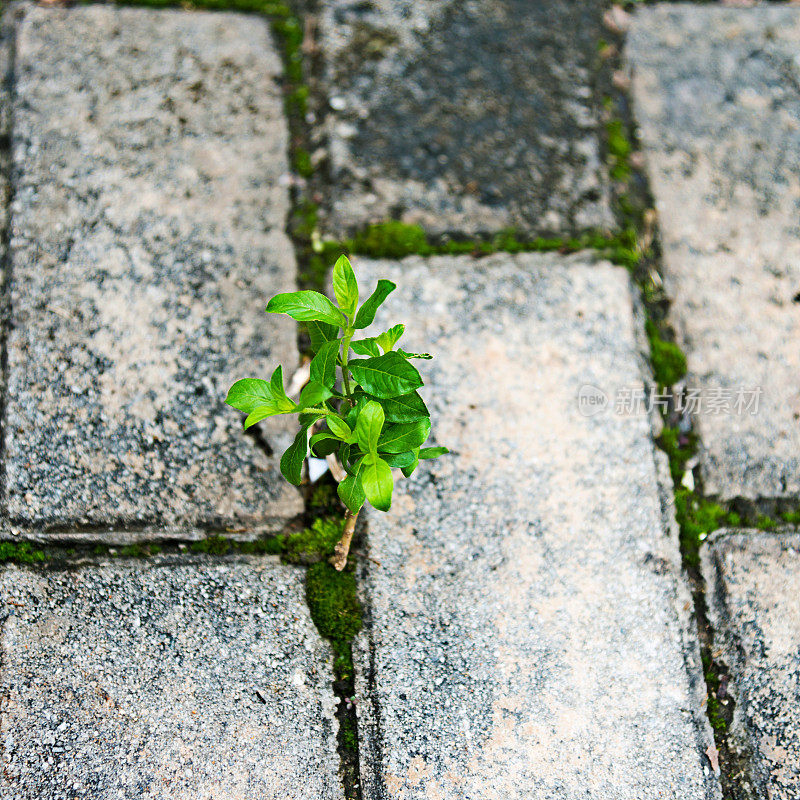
{"x":406,"y":408}
{"x":321,"y":332}
{"x":339,"y":427}
{"x":249,"y":393}
{"x":313,"y":393}
{"x":376,"y":478}
{"x":260,"y":399}
{"x":352,"y":414}
{"x":400,"y":459}
{"x":351,"y":490}
{"x":432,"y":452}
{"x":409,"y":470}
{"x":345,"y":286}
{"x":278,"y":392}
{"x":390,"y":338}
{"x":323,"y":444}
{"x":365,"y":347}
{"x":399,"y":438}
{"x":269,"y":409}
{"x":306,"y":305}
{"x":368,"y":426}
{"x":367,"y":311}
{"x":292,"y":459}
{"x":426,"y":356}
{"x":323,"y":365}
{"x":389,"y":375}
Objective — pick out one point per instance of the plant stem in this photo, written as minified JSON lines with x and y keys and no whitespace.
{"x":315,"y":410}
{"x":345,"y":371}
{"x":339,"y":558}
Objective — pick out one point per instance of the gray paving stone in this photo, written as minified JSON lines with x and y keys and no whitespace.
{"x":717,"y":98}
{"x":148,"y":232}
{"x":188,"y":678}
{"x":464,"y":116}
{"x":529,"y":632}
{"x":752,"y":586}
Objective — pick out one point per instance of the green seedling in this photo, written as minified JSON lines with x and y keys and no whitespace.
{"x":366,"y":411}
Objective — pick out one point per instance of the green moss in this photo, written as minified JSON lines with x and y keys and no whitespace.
{"x":619,"y":149}
{"x":213,"y":545}
{"x":668,"y":360}
{"x":324,"y":496}
{"x":792,"y":517}
{"x":21,"y":553}
{"x":347,"y":732}
{"x":315,"y":543}
{"x":390,"y":239}
{"x":220,"y":546}
{"x":302,"y":163}
{"x":697,"y":518}
{"x":334,"y":607}
{"x":138,"y":550}
{"x":269,"y":7}
{"x":274,"y":546}
{"x":715,"y":714}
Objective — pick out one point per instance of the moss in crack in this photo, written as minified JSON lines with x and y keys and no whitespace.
{"x":668,"y":360}
{"x":394,"y":239}
{"x":697,"y":518}
{"x":679,"y":447}
{"x":315,"y":543}
{"x":220,"y":546}
{"x":336,"y":612}
{"x":619,"y":150}
{"x":391,"y":239}
{"x":269,"y":7}
{"x":718,"y":713}
{"x":20,"y":553}
{"x":138,"y":550}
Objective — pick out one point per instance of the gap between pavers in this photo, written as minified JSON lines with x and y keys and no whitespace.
{"x":467,"y":117}
{"x":752,"y":587}
{"x":717,"y":97}
{"x":147,"y":233}
{"x":528,"y":628}
{"x":188,"y":678}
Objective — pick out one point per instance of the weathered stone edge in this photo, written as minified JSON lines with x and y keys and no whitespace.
{"x":134,"y":534}
{"x":727,"y":644}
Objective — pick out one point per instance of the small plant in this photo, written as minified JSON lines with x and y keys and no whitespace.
{"x":372,"y":419}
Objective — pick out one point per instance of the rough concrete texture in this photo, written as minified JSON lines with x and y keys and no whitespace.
{"x":199,"y":679}
{"x":717,"y":97}
{"x":464,"y":116}
{"x":529,"y":631}
{"x":752,"y":586}
{"x":147,"y":235}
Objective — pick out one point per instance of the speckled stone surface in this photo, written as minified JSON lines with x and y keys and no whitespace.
{"x":147,"y":236}
{"x":529,"y":632}
{"x":193,"y":679}
{"x":463,"y":116}
{"x":717,"y":98}
{"x":753,"y":585}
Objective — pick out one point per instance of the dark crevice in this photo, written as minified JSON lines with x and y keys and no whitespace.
{"x":7,"y":89}
{"x":634,"y":205}
{"x":303,"y":106}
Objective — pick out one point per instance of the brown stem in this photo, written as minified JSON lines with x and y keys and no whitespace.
{"x":339,"y":557}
